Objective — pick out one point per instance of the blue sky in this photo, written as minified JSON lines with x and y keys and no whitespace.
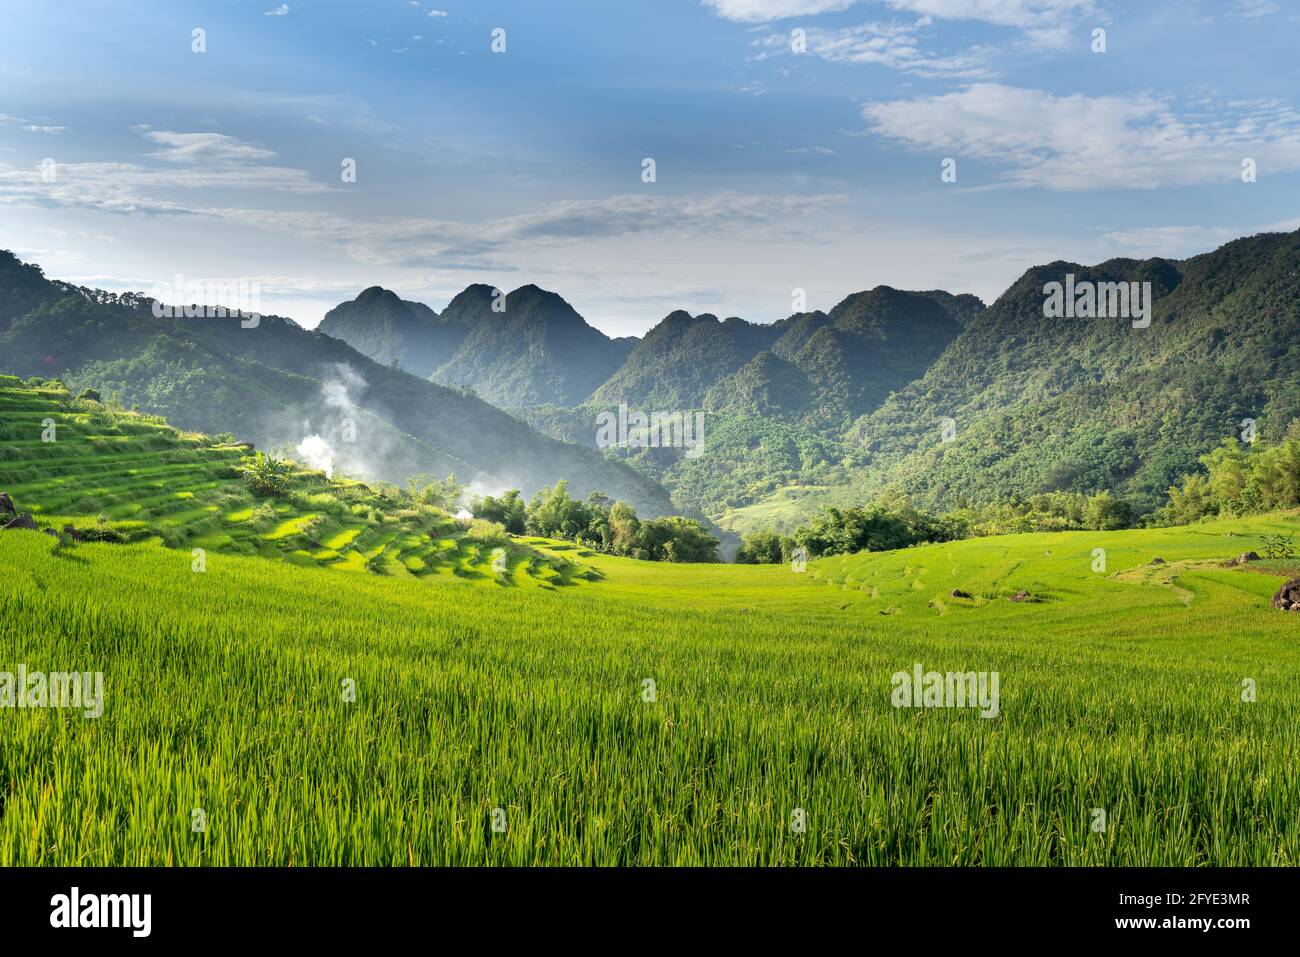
{"x":776,"y":169}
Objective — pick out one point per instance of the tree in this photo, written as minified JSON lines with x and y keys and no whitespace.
{"x":509,"y":510}
{"x":554,"y":514}
{"x":677,"y":539}
{"x":1105,"y":513}
{"x":427,"y":490}
{"x":760,"y":548}
{"x":624,"y":529}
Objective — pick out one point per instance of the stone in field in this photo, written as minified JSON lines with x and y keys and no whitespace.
{"x":1245,"y":558}
{"x":23,"y":521}
{"x":1288,"y":596}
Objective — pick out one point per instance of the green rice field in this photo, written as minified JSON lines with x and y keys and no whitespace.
{"x":357,"y":687}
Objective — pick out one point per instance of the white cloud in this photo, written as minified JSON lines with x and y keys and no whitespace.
{"x":1180,"y":242}
{"x":451,"y":244}
{"x":198,"y":161}
{"x":437,"y":13}
{"x":204,"y":148}
{"x":217,"y":162}
{"x":281,"y":11}
{"x":1044,"y":23}
{"x":31,"y":127}
{"x":892,"y":45}
{"x":1258,"y":8}
{"x":131,"y":188}
{"x":1081,"y":142}
{"x":1025,"y":14}
{"x":761,"y":11}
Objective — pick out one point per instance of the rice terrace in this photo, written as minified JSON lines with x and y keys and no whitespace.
{"x":609,"y":710}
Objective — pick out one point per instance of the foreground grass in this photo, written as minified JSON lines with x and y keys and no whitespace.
{"x":1120,"y":690}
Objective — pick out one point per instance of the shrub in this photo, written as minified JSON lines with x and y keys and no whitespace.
{"x":266,"y":475}
{"x":487,"y":534}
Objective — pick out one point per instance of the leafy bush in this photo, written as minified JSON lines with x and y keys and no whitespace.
{"x":488,"y":534}
{"x":764,"y":548}
{"x":1279,"y":546}
{"x":266,"y":475}
{"x":509,"y":510}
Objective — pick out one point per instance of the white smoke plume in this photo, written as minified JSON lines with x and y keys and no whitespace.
{"x":316,"y":452}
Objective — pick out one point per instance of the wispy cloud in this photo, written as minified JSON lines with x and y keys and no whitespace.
{"x":281,"y":11}
{"x":195,"y":161}
{"x":1179,"y":242}
{"x":1040,"y":139}
{"x":204,"y":148}
{"x":1258,"y":8}
{"x":31,"y":126}
{"x":1045,"y":21}
{"x":896,"y":46}
{"x":217,"y":162}
{"x":448,"y":244}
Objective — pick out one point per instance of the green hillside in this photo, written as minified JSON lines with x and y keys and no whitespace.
{"x":676,"y":362}
{"x":1090,"y":404}
{"x":124,"y":477}
{"x":276,"y":383}
{"x":660,"y":714}
{"x":778,"y":398}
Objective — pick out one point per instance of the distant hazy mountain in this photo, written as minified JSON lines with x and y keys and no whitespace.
{"x":533,"y":350}
{"x":388,"y":329}
{"x":681,"y":358}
